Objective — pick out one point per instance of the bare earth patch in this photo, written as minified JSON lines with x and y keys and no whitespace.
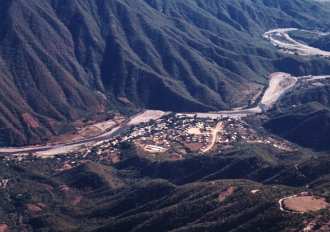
{"x":194,"y":131}
{"x":255,"y":191}
{"x":225,"y":194}
{"x":76,"y":200}
{"x":176,"y":157}
{"x":304,"y":204}
{"x":30,"y":120}
{"x":194,"y":147}
{"x":97,"y":128}
{"x":112,"y":157}
{"x":154,"y":149}
{"x":59,"y":150}
{"x":65,"y":167}
{"x":64,"y":188}
{"x":146,"y":116}
{"x":279,"y":83}
{"x":35,"y":209}
{"x":4,"y":228}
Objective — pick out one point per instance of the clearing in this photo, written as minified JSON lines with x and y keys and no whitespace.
{"x":146,"y":116}
{"x":302,"y":204}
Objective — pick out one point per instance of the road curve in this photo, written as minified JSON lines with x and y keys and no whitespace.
{"x":279,"y":84}
{"x":280,"y":38}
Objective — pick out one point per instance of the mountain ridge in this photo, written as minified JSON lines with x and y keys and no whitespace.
{"x":62,"y":61}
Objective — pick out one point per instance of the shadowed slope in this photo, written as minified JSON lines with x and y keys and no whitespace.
{"x":59,"y":59}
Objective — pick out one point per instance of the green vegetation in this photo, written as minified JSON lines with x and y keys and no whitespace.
{"x":65,"y":59}
{"x":235,"y":191}
{"x":307,"y":125}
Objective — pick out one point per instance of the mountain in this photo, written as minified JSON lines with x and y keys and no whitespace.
{"x":58,"y":194}
{"x":307,"y":125}
{"x":323,"y":43}
{"x":82,"y":67}
{"x":62,"y":61}
{"x":303,"y":115}
{"x":313,"y":39}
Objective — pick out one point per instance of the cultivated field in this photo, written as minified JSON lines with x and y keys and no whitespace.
{"x":303,"y":204}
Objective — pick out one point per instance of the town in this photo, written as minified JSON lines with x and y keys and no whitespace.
{"x":173,"y":137}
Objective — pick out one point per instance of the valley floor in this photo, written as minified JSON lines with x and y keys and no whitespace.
{"x":98,"y":133}
{"x":171,"y":172}
{"x":279,"y":84}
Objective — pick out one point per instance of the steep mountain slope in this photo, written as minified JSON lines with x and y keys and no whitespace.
{"x":323,"y":43}
{"x":313,"y":39}
{"x":307,"y":125}
{"x":49,"y":195}
{"x":61,"y":60}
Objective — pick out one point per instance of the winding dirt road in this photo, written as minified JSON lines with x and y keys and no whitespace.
{"x":279,"y":84}
{"x":218,"y":128}
{"x":280,"y":38}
